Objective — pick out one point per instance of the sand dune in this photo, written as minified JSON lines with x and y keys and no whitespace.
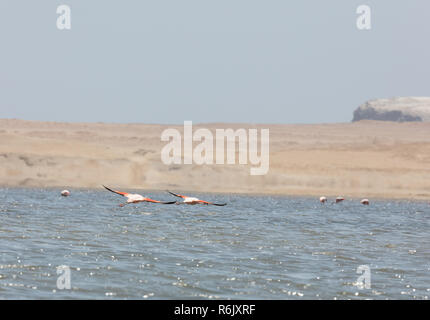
{"x":361,"y":159}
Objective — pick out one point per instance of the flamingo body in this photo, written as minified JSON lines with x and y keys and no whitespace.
{"x":365,"y":202}
{"x":339,"y":199}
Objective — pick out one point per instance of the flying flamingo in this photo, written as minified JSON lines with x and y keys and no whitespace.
{"x":193,"y":201}
{"x":136,"y":198}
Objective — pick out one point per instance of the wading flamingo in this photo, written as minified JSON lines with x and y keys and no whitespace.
{"x":323,"y":199}
{"x":365,"y":202}
{"x":136,"y":198}
{"x":339,"y":199}
{"x":192,"y":201}
{"x":65,"y":193}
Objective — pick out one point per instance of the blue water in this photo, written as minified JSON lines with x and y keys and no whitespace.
{"x":256,"y":247}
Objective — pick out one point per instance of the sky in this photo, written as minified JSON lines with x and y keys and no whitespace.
{"x":249,"y":61}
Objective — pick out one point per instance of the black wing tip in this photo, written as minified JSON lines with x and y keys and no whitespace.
{"x":174,"y":194}
{"x":109,"y":189}
{"x":169,"y":202}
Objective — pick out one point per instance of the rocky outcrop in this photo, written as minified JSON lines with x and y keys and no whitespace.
{"x":395,"y":109}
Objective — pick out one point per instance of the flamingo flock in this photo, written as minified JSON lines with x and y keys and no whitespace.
{"x":136,"y":198}
{"x":365,"y":202}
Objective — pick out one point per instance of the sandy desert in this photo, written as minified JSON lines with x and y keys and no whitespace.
{"x":369,"y":159}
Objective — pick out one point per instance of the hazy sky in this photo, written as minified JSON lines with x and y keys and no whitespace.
{"x":166,"y":61}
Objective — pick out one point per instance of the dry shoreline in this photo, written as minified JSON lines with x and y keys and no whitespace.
{"x":368,"y":159}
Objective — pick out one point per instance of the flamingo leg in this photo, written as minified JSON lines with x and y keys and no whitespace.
{"x":123,"y":204}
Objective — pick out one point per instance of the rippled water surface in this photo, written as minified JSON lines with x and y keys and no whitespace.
{"x":253,"y":248}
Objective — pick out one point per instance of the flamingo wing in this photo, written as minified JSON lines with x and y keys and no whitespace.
{"x":124,"y":194}
{"x":214,"y":204}
{"x":176,"y":195}
{"x":156,"y":201}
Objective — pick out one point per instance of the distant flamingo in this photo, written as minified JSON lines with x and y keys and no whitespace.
{"x":323,"y":199}
{"x":365,"y":202}
{"x":65,"y":193}
{"x":136,"y":198}
{"x":339,"y":199}
{"x":193,"y":201}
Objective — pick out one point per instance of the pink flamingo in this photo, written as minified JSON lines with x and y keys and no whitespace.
{"x":193,"y":201}
{"x":136,"y":198}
